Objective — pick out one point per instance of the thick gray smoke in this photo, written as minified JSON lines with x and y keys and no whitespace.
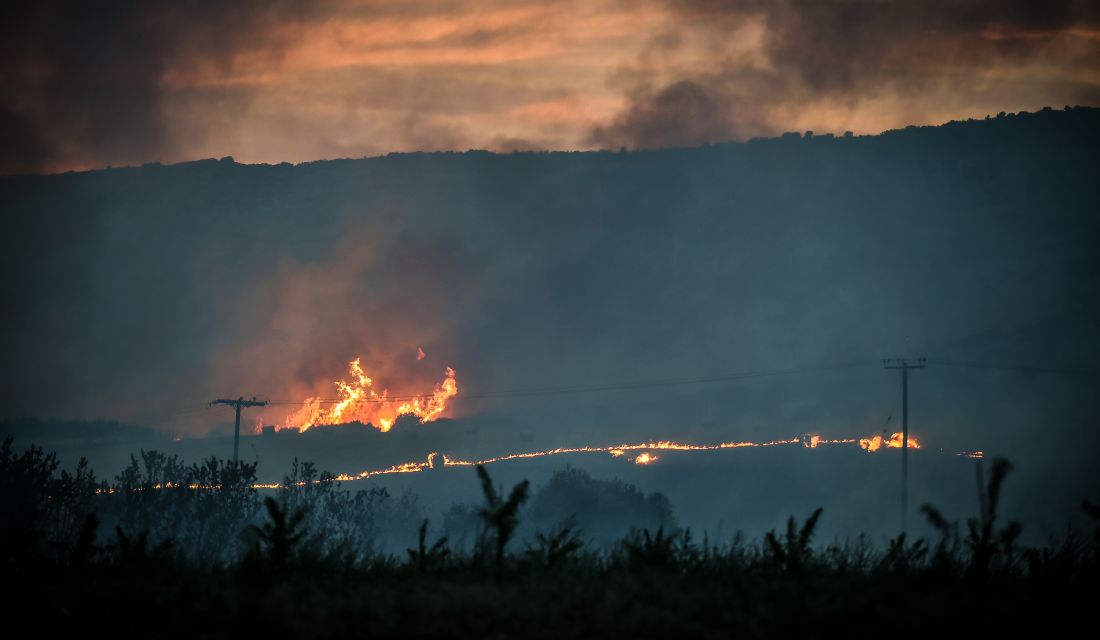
{"x":82,"y":83}
{"x":841,"y":54}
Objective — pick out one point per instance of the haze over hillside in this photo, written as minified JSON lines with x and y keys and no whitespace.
{"x":144,"y":293}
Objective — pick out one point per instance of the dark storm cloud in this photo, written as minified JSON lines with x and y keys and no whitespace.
{"x":844,"y":52}
{"x":81,"y":82}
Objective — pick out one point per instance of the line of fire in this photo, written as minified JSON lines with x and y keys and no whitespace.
{"x":363,"y":401}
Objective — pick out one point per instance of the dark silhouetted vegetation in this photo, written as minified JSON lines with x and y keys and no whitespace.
{"x":793,"y":551}
{"x":198,"y":551}
{"x":501,"y":515}
{"x":598,"y":508}
{"x":277,"y":541}
{"x":427,"y":557}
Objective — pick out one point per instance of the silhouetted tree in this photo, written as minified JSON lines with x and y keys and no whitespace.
{"x":201,"y":507}
{"x":558,"y":545}
{"x":500,"y":515}
{"x":604,"y":509}
{"x":900,"y":556}
{"x":134,"y":553}
{"x":989,"y":547}
{"x":947,"y":549}
{"x":428,"y":557}
{"x":987,"y":544}
{"x":659,"y":550}
{"x":1094,"y":512}
{"x":793,"y":552}
{"x":86,"y":548}
{"x":277,"y":540}
{"x":42,"y":511}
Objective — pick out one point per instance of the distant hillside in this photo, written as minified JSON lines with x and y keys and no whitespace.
{"x":31,"y":429}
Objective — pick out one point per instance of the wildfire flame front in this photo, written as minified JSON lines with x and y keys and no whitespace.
{"x":359,"y":402}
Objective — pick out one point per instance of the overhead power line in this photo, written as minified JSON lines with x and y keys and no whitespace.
{"x":576,"y":389}
{"x":1017,"y":368}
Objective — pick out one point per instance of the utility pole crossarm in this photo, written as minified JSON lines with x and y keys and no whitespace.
{"x":902,"y":363}
{"x":238,"y":404}
{"x":241,"y":401}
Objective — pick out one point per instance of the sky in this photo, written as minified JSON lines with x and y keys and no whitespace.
{"x":88,"y":85}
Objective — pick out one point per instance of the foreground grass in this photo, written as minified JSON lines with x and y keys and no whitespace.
{"x":709,"y":597}
{"x":193,"y":553}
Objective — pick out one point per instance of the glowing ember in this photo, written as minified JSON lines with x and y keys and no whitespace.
{"x":360,"y":402}
{"x":645,"y":458}
{"x":877,"y":442}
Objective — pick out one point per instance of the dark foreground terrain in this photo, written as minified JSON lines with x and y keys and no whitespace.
{"x":167,"y":550}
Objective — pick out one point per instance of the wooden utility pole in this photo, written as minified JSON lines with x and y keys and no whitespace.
{"x":238,"y":404}
{"x":905,"y":366}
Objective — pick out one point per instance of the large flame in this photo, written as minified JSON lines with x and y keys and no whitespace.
{"x":894,"y":442}
{"x":358,"y":401}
